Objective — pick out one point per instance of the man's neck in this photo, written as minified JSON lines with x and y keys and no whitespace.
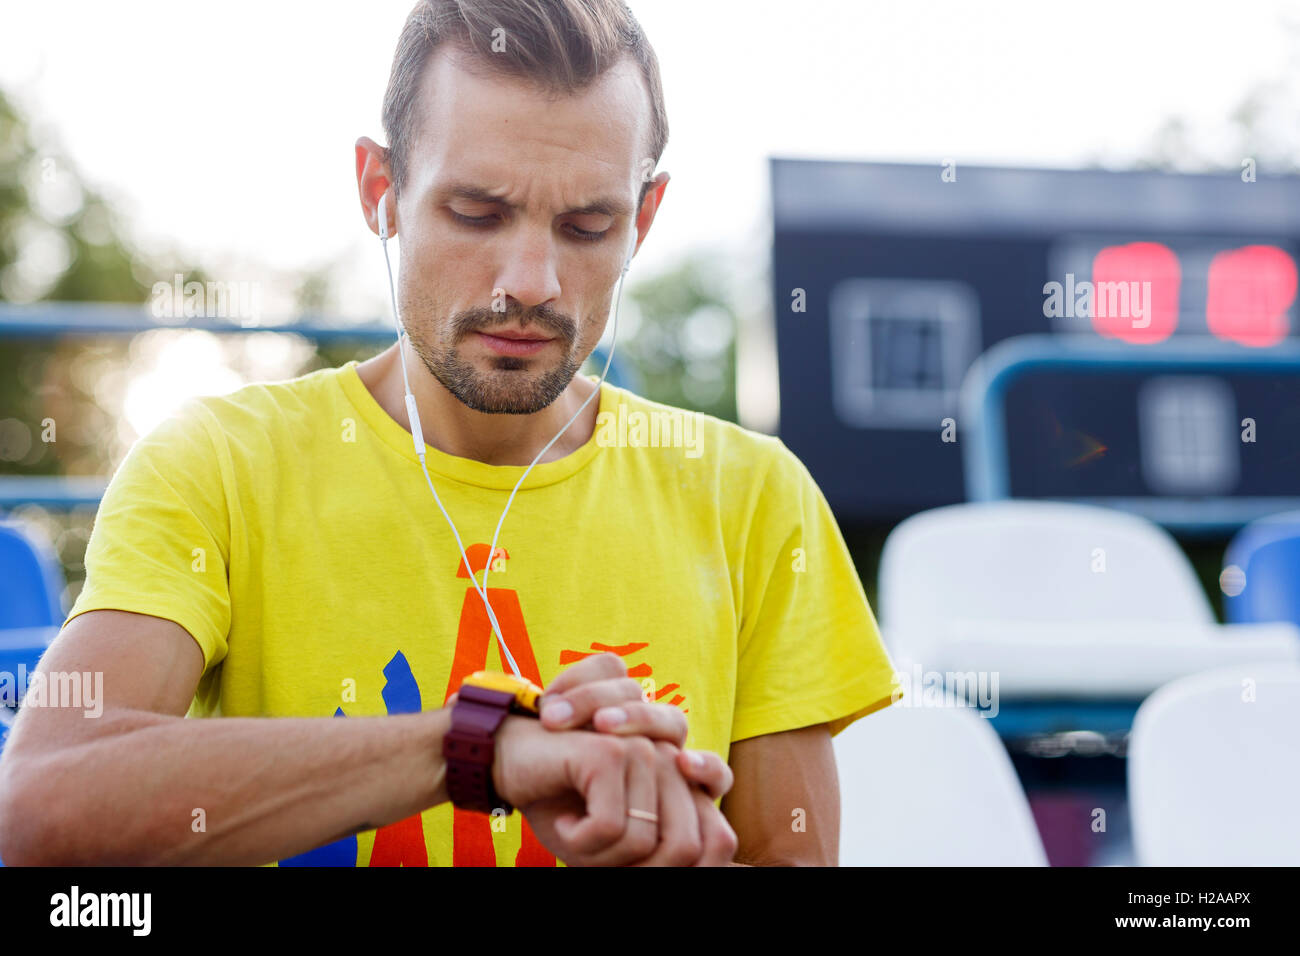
{"x":452,"y":427}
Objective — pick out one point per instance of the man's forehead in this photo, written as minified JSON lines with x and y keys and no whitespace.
{"x":475,"y":119}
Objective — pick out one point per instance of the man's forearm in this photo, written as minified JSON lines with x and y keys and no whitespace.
{"x":267,"y":788}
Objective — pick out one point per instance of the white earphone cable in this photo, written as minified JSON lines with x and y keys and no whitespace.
{"x":417,"y":436}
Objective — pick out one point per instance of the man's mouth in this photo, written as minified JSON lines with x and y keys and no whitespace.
{"x":520,"y":335}
{"x":514,"y":341}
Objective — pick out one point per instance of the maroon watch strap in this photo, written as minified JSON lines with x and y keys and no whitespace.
{"x":469,"y":748}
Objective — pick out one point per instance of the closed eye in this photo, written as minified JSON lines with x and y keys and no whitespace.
{"x":471,"y":220}
{"x":586,"y":235}
{"x":478,"y":222}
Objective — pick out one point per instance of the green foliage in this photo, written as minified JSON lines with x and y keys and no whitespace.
{"x":75,"y":252}
{"x":683,"y":350}
{"x":59,"y":241}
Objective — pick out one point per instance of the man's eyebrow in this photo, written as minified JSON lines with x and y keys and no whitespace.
{"x":605,"y":207}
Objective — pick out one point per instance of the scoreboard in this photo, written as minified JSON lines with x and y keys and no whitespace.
{"x":890,"y":282}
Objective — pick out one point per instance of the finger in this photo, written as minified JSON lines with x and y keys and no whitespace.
{"x":584,"y":700}
{"x":597,"y":667}
{"x":656,"y":721}
{"x":718,"y":839}
{"x":566,"y":824}
{"x":680,"y":842}
{"x":605,"y":818}
{"x":640,"y":837}
{"x":706,"y":769}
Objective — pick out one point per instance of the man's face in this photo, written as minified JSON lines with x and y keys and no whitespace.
{"x":522,"y":200}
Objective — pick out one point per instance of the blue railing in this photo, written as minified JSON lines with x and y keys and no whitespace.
{"x":983,"y":414}
{"x":59,"y":319}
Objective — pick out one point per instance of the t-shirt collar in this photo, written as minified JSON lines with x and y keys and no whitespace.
{"x":468,"y":470}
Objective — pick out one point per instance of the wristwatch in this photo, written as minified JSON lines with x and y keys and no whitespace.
{"x":484,"y":700}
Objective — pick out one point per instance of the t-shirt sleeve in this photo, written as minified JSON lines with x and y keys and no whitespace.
{"x":809,"y":648}
{"x":160,"y":544}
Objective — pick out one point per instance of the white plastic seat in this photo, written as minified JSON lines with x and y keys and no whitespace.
{"x":1058,"y":600}
{"x":931,"y":786}
{"x":1214,"y":779}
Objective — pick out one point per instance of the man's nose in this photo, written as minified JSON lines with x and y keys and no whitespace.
{"x":528,"y":274}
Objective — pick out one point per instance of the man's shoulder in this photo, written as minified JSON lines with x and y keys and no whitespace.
{"x":253,"y":417}
{"x":262,"y":405}
{"x":304,"y":395}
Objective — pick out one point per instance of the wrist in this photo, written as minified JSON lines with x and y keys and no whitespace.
{"x":470,"y":748}
{"x":438,"y":723}
{"x":505,"y":776}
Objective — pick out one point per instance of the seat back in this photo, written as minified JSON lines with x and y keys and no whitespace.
{"x":1032,"y":561}
{"x":31,"y":581}
{"x":1268,"y":552}
{"x":931,"y":786}
{"x":1214,"y":769}
{"x":31,"y":598}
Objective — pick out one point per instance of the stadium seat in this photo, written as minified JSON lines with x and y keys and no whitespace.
{"x":31,"y":607}
{"x":1214,"y":768}
{"x":931,"y":786}
{"x":31,"y":582}
{"x":1268,"y":553}
{"x":1059,"y":600}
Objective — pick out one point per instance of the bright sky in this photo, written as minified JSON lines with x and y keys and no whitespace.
{"x":226,"y":129}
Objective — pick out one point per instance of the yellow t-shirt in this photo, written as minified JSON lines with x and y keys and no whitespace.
{"x":289,"y":529}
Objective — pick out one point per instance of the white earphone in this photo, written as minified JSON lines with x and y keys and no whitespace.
{"x":417,"y":433}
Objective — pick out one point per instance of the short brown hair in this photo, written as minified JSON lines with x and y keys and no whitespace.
{"x":562,"y":45}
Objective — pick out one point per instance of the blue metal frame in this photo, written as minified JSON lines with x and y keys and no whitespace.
{"x":51,"y":491}
{"x":984,"y":452}
{"x":52,"y":319}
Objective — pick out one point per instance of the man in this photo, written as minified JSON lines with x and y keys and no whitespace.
{"x":277,"y":553}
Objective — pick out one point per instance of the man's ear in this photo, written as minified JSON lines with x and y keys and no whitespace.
{"x":650,"y":205}
{"x":373,"y":180}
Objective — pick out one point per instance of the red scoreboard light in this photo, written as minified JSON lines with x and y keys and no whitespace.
{"x":1251,"y":292}
{"x":1248,"y":296}
{"x":1135,"y":292}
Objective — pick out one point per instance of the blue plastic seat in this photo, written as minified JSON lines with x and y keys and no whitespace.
{"x":1268,"y":552}
{"x":31,"y":582}
{"x":31,"y":602}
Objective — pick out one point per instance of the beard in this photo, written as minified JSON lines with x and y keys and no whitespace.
{"x":513,"y":385}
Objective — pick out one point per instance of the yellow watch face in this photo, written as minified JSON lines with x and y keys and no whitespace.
{"x":527,"y":694}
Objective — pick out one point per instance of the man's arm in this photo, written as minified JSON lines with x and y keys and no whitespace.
{"x":785,"y":805}
{"x":124,"y":787}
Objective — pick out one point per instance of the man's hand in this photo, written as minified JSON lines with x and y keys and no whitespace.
{"x":596,"y":693}
{"x":711,"y":841}
{"x":577,"y":787}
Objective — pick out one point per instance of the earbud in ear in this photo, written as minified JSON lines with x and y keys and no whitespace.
{"x":383,"y":215}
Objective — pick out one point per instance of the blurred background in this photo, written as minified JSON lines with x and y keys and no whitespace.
{"x":868,"y":206}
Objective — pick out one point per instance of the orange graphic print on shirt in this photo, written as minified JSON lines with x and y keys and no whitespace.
{"x":641,"y":671}
{"x":472,"y":832}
